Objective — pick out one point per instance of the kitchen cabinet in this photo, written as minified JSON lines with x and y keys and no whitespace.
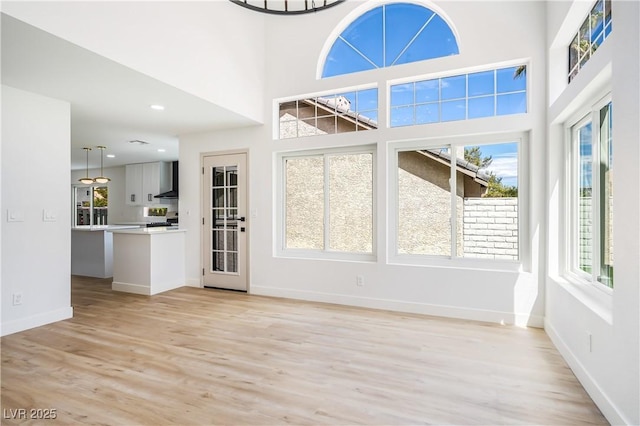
{"x":144,"y":180}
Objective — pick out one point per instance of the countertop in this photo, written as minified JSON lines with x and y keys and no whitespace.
{"x":95,"y":228}
{"x":149,"y":231}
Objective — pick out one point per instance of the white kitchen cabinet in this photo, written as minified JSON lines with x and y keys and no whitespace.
{"x":144,"y":180}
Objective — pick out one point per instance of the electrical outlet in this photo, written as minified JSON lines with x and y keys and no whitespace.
{"x":359,"y":280}
{"x":17,"y":299}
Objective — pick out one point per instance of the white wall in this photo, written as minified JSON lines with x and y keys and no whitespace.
{"x":183,"y":43}
{"x":36,"y":254}
{"x":609,"y":367}
{"x":454,"y":289}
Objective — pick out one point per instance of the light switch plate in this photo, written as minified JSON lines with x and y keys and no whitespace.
{"x":15,"y":215}
{"x":49,"y":216}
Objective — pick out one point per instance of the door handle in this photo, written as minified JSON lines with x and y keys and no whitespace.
{"x":149,"y":197}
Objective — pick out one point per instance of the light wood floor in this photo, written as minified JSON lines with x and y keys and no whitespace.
{"x":193,"y":357}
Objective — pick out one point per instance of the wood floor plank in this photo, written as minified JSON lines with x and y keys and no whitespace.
{"x":195,"y":356}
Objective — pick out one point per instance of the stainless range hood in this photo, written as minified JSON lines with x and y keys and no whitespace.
{"x":173,"y":193}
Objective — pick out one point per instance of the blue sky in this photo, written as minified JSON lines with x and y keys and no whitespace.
{"x":505,"y":161}
{"x":418,"y":34}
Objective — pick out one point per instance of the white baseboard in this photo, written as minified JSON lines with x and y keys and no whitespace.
{"x":402,"y":306}
{"x":193,"y":283}
{"x":131,"y":288}
{"x":608,"y":408}
{"x":36,"y":321}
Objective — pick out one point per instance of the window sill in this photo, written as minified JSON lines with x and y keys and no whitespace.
{"x":458,"y":263}
{"x":599,"y":301}
{"x":320,"y":255}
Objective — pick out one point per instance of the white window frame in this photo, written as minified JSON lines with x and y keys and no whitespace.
{"x":578,"y":66}
{"x":276,"y":107}
{"x":325,"y":253}
{"x":463,"y":73}
{"x":572,"y":271}
{"x":523,"y":263}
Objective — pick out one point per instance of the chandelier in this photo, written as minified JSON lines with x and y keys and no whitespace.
{"x":287,"y":7}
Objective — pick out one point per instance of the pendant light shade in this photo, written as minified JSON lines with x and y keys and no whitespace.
{"x":87,"y":180}
{"x":101,"y":178}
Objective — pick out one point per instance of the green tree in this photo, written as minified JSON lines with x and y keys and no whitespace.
{"x":495,"y":187}
{"x":474,"y":156}
{"x":101,"y":196}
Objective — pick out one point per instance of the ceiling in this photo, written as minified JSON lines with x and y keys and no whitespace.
{"x":110,"y":103}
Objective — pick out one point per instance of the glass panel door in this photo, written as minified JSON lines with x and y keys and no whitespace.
{"x":224,"y":223}
{"x":224,"y":219}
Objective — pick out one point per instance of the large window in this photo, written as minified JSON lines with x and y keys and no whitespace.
{"x":391,"y":34}
{"x":480,"y":192}
{"x":328,"y":202}
{"x":592,"y":33}
{"x":91,"y":205}
{"x":350,"y":111}
{"x":592,"y":197}
{"x":460,"y":97}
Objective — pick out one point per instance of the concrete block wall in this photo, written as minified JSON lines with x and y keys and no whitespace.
{"x":585,"y":237}
{"x":490,"y":228}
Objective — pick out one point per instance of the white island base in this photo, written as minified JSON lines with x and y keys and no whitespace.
{"x":148,"y":260}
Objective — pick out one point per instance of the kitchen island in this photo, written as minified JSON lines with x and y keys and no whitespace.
{"x":92,"y":250}
{"x":148,"y":260}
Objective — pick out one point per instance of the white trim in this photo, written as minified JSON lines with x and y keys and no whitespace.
{"x":589,"y":295}
{"x":600,"y":398}
{"x":193,"y":283}
{"x":203,"y":210}
{"x":366,"y":7}
{"x":34,"y":321}
{"x":453,"y":261}
{"x":493,"y":66}
{"x":497,"y":317}
{"x":131,"y":288}
{"x":280,"y":201}
{"x":583,"y":117}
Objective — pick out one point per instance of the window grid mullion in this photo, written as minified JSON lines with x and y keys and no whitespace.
{"x":327,"y":206}
{"x":453,"y":189}
{"x":595,"y":194}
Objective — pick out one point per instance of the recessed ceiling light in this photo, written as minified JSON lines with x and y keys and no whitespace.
{"x":111,"y":156}
{"x":157,"y":107}
{"x":161,"y":150}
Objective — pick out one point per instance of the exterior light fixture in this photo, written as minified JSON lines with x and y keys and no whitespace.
{"x":87,"y":180}
{"x":101,"y":178}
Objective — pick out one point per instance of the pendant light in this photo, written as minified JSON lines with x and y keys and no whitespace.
{"x":87,"y":180}
{"x":101,"y":178}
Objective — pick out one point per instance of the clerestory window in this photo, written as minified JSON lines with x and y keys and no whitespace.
{"x":592,"y":33}
{"x":391,"y":34}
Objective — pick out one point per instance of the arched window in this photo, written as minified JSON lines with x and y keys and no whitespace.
{"x":391,"y":34}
